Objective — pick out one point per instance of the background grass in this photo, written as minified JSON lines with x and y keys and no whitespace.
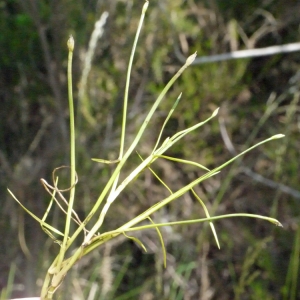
{"x":258,"y":98}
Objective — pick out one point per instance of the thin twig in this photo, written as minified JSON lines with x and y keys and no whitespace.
{"x":249,"y":53}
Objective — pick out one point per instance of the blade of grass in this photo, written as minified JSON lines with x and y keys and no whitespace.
{"x":161,"y":242}
{"x":125,"y":104}
{"x":289,"y":290}
{"x":166,"y":121}
{"x":35,"y":217}
{"x":208,"y":216}
{"x":7,"y":291}
{"x":136,"y":240}
{"x":179,"y":135}
{"x":143,"y":227}
{"x":104,"y":161}
{"x":63,"y":247}
{"x":158,"y":178}
{"x":188,"y":162}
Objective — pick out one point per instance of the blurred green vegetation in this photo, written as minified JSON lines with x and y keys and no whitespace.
{"x":258,"y":98}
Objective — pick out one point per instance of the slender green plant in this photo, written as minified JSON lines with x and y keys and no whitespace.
{"x":6,"y":292}
{"x":289,"y":290}
{"x":92,"y":238}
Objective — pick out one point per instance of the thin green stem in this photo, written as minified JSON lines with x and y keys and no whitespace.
{"x":126,"y":92}
{"x":166,"y":121}
{"x":128,"y":79}
{"x":272,"y":220}
{"x":63,"y":248}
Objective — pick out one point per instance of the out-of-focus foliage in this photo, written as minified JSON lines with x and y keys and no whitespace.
{"x":258,"y":98}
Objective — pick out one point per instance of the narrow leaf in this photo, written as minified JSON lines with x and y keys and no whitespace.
{"x":161,"y":242}
{"x":208,"y":216}
{"x":166,"y":121}
{"x":35,"y":217}
{"x":188,"y":162}
{"x":104,"y":161}
{"x":136,"y":240}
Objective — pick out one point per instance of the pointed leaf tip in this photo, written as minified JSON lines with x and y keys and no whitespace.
{"x":275,"y":222}
{"x":278,"y":136}
{"x":146,"y":4}
{"x":215,"y":112}
{"x":191,"y":59}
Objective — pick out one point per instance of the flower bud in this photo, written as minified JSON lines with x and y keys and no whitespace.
{"x":191,"y":59}
{"x":70,"y":43}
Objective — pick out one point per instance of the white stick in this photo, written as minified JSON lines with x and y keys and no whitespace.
{"x":293,"y":47}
